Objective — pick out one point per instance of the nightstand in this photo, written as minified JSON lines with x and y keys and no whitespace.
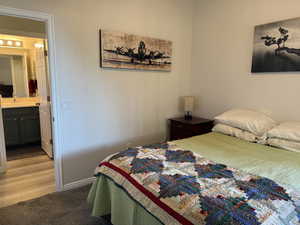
{"x":180,"y":128}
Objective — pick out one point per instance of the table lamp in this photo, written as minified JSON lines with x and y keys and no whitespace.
{"x":189,"y":103}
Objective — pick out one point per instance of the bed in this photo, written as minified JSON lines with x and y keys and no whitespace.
{"x":277,"y":169}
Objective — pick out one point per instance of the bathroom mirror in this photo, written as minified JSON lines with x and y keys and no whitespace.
{"x":14,"y":80}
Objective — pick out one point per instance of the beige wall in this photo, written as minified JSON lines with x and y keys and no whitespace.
{"x":222,"y":54}
{"x":19,"y":26}
{"x":104,"y":110}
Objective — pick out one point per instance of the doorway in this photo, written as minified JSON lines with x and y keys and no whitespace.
{"x":25,"y":96}
{"x":34,"y":135}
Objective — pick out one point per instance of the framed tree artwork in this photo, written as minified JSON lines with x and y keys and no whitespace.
{"x":277,"y":47}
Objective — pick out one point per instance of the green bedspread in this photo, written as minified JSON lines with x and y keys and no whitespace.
{"x":277,"y":164}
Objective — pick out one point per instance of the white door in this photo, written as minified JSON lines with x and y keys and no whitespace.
{"x":45,"y":108}
{"x":2,"y":144}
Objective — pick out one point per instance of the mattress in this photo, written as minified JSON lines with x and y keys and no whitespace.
{"x":273,"y":163}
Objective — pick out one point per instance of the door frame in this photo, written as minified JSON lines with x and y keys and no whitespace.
{"x":55,"y":95}
{"x":2,"y":145}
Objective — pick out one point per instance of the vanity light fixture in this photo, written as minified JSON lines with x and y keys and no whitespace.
{"x":18,"y":43}
{"x":38,"y":45}
{"x":11,"y":43}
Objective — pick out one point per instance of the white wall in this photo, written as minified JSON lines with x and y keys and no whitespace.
{"x":222,"y":54}
{"x":103,"y":109}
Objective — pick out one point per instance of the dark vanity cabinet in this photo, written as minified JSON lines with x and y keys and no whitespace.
{"x":21,"y":125}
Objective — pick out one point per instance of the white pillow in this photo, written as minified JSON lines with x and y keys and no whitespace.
{"x":236,"y":132}
{"x":286,"y":130}
{"x":252,"y":121}
{"x":285,"y":144}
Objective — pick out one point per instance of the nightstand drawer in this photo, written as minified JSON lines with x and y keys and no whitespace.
{"x":180,"y":128}
{"x":193,"y":128}
{"x":177,"y":133}
{"x":203,"y":128}
{"x":178,"y":125}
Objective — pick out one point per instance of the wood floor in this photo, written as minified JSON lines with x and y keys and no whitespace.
{"x":26,"y":179}
{"x":25,"y":151}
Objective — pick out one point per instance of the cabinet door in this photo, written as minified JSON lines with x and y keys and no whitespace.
{"x":29,"y":129}
{"x":11,"y":131}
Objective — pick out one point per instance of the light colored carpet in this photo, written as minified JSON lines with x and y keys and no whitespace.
{"x":64,"y":208}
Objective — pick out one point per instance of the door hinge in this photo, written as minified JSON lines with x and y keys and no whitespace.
{"x":53,"y":119}
{"x":46,"y":53}
{"x":51,"y":141}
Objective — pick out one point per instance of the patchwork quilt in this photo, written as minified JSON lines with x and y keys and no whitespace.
{"x":178,"y":186}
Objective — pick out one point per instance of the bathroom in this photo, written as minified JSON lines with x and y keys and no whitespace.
{"x":25,"y":101}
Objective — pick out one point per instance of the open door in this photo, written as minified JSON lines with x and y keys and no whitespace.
{"x":45,"y":108}
{"x":2,"y":144}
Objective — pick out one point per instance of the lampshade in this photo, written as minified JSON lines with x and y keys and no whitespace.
{"x":189,"y":102}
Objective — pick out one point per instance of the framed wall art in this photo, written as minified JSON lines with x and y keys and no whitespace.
{"x":128,"y":51}
{"x":277,"y":47}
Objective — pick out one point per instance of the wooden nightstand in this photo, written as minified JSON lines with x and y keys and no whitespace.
{"x":180,"y":128}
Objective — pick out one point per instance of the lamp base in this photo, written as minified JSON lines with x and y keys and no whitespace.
{"x":188,"y":116}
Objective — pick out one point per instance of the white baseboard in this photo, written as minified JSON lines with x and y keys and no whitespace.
{"x":78,"y":183}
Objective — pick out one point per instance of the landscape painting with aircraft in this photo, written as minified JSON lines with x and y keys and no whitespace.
{"x":128,"y":51}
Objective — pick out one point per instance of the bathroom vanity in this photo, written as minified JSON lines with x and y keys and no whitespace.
{"x":21,"y":125}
